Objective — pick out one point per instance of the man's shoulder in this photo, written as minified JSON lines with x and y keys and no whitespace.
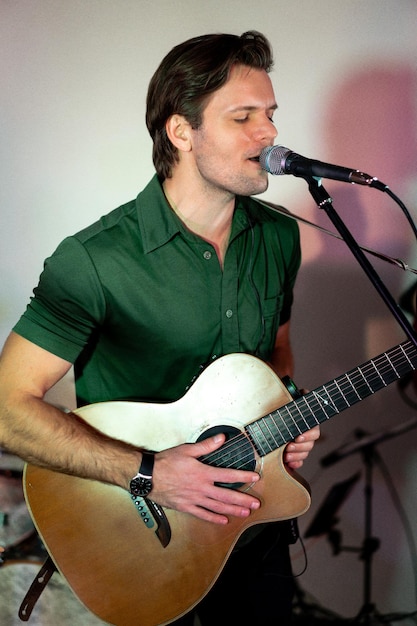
{"x":122,"y":217}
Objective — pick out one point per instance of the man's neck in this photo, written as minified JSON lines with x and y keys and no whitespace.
{"x":207,"y":215}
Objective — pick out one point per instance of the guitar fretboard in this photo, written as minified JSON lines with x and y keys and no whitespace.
{"x":284,"y":424}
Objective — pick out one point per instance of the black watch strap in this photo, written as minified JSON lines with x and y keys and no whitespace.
{"x":146,"y":466}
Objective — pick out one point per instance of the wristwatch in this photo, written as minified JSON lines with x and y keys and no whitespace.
{"x":141,"y":484}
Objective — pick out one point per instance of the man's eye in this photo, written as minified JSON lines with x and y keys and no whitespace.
{"x":241,"y":120}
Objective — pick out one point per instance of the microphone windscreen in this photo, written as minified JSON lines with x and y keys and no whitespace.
{"x":272,"y":159}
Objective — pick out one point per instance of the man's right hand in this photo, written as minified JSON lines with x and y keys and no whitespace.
{"x":184,"y":483}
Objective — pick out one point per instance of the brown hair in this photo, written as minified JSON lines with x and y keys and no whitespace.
{"x":188,"y":75}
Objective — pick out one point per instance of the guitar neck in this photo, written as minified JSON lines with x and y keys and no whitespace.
{"x":316,"y":407}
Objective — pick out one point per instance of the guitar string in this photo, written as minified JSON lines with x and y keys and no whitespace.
{"x":369,"y":373}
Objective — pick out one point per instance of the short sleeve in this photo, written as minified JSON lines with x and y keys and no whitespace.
{"x":68,"y":304}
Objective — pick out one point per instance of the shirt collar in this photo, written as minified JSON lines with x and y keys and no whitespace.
{"x":158,"y":224}
{"x":156,"y":221}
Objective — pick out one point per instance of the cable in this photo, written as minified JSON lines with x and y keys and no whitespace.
{"x":403,"y":208}
{"x":397,"y":262}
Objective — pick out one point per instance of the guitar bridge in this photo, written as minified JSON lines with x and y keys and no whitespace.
{"x":141,"y":505}
{"x":152,"y":513}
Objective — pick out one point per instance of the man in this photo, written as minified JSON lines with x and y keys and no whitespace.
{"x":141,"y":300}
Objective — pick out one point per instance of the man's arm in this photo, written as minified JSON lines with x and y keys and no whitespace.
{"x":44,"y":435}
{"x":282,"y":361}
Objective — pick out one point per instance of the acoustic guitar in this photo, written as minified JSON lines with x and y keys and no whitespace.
{"x":134,"y":563}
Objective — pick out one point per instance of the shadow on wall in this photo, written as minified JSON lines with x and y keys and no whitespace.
{"x":370,"y":123}
{"x":339,"y":321}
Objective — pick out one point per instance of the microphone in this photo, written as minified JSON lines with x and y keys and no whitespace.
{"x":279,"y":160}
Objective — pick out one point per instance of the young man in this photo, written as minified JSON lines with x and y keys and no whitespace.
{"x":141,"y":300}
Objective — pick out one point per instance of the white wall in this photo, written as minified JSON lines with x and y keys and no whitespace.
{"x":74,"y":145}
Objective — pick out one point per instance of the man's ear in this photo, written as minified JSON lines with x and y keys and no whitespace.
{"x":178,"y":131}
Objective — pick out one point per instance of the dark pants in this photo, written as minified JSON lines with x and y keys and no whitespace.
{"x":256,"y":585}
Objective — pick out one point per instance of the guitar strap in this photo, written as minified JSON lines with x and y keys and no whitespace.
{"x":36,"y":588}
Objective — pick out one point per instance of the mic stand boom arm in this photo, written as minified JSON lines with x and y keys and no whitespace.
{"x":325,"y":202}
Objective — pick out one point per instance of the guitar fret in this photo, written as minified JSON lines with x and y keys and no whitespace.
{"x":374,"y":381}
{"x":271,"y":436}
{"x":366,"y":381}
{"x":329,"y":403}
{"x":402,"y":367}
{"x":347,"y":383}
{"x":262,"y":437}
{"x":287,"y":421}
{"x":355,"y":391}
{"x":386,"y":373}
{"x":258,"y":437}
{"x":293,"y":420}
{"x":389,"y":372}
{"x":303,"y":417}
{"x":333,"y":396}
{"x":321,"y":404}
{"x":378,"y":373}
{"x":360,"y":383}
{"x":342,"y":394}
{"x":349,"y":392}
{"x":393,"y":366}
{"x":284,"y":437}
{"x":316,"y":409}
{"x":406,"y":356}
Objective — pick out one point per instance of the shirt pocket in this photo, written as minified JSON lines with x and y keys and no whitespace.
{"x":271,"y":312}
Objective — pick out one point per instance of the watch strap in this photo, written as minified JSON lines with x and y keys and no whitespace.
{"x":146,"y":466}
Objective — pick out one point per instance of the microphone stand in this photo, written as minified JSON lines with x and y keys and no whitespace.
{"x":325,"y":202}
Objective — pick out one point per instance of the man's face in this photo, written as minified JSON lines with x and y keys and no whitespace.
{"x":237,"y":124}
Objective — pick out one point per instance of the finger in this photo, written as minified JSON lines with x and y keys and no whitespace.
{"x":227,"y":499}
{"x":205,"y":446}
{"x":297,"y":456}
{"x":220,"y":474}
{"x":310,"y":435}
{"x":298,"y":448}
{"x":221,"y":503}
{"x":218,"y":508}
{"x":210,"y":516}
{"x":294,"y":464}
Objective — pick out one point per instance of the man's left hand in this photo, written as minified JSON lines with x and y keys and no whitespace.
{"x":298,"y":450}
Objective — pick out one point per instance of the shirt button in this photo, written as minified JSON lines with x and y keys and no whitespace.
{"x":207,"y":255}
{"x":229,"y":313}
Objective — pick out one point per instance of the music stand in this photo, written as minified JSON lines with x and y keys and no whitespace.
{"x":325,"y":519}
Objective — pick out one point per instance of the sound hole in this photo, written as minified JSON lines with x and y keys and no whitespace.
{"x":236,"y":452}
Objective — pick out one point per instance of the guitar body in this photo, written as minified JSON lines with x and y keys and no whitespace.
{"x":109,"y":551}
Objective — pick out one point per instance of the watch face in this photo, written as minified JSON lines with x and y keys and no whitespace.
{"x":140,"y":486}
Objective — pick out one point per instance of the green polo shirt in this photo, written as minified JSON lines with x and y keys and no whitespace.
{"x":138,"y":303}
